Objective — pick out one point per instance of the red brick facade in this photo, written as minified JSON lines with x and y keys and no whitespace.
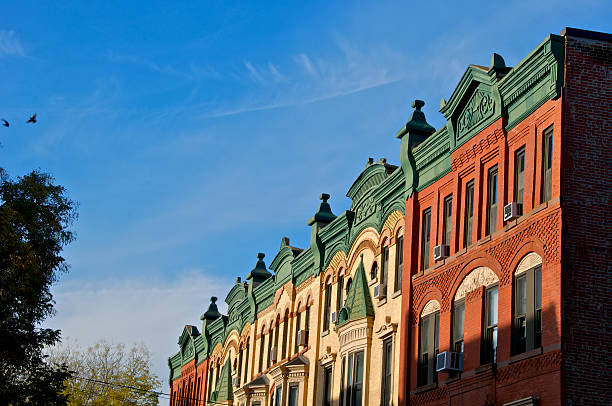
{"x":571,"y":232}
{"x":191,"y":385}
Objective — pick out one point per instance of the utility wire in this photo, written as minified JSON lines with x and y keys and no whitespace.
{"x":168,"y":396}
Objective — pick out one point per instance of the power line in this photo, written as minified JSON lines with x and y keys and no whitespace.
{"x":168,"y":396}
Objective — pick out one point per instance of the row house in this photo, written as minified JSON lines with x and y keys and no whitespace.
{"x":477,"y":272}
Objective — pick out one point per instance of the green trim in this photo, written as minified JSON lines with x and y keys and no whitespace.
{"x":358,"y":302}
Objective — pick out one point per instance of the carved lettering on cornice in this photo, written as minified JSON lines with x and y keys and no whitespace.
{"x":480,"y":107}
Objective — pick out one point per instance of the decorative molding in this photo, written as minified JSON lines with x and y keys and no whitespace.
{"x":480,"y":107}
{"x":430,"y":307}
{"x":529,"y":261}
{"x":386,"y":330}
{"x":327,"y":357}
{"x":481,"y":276}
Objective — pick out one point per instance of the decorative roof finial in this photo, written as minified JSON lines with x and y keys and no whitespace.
{"x":417,"y":123}
{"x":213,"y":311}
{"x":324,"y":213}
{"x":260,"y":271}
{"x":418,"y":104}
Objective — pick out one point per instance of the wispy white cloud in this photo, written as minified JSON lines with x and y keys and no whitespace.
{"x":135,"y":310}
{"x":254,"y":73}
{"x":304,"y":61}
{"x":10,"y":44}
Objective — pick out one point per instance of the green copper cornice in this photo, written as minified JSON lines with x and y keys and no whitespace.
{"x":535,"y":79}
{"x":236,"y":294}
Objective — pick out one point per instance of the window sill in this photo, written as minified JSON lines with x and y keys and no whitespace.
{"x":381,"y":302}
{"x":525,"y":355}
{"x":425,"y":388}
{"x":373,"y":282}
{"x":396,"y":294}
{"x":484,"y":368}
{"x":324,"y":333}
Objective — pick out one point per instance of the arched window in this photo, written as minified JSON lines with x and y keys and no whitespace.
{"x":527,"y":326}
{"x":270,"y":347}
{"x":262,"y":343}
{"x":481,"y":276}
{"x":298,"y":326}
{"x":246,"y":362}
{"x":275,"y":350}
{"x":239,"y":369}
{"x":339,"y":292}
{"x":374,"y":270}
{"x":327,"y":307}
{"x":307,"y":323}
{"x":429,"y":325}
{"x":348,"y":286}
{"x":384,"y":269}
{"x":285,"y":334}
{"x":399,"y":262}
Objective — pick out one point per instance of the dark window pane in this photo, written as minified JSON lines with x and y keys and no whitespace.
{"x":492,"y":201}
{"x":519,"y":175}
{"x":469,"y":214}
{"x":425,"y":239}
{"x":399,"y":260}
{"x":448,"y":210}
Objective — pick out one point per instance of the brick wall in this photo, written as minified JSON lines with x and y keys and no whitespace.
{"x":586,"y":191}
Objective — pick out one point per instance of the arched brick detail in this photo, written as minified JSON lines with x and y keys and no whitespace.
{"x":484,"y":260}
{"x":531,"y":245}
{"x":338,"y":260}
{"x":394,"y":221}
{"x":431,"y":293}
{"x":363,"y":242}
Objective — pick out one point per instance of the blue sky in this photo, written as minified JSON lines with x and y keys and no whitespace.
{"x":196,"y":134}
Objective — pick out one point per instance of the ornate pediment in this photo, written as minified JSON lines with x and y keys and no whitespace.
{"x":474,"y":104}
{"x":479,"y":107}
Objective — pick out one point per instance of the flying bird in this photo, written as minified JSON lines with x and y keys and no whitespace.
{"x":5,"y":123}
{"x":32,"y":119}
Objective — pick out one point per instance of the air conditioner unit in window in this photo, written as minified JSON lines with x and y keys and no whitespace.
{"x":449,"y":361}
{"x":512,"y":211}
{"x":334,"y":317}
{"x":302,"y":337}
{"x":441,"y":252}
{"x":236,"y":381}
{"x":380,"y":291}
{"x":274,"y":355}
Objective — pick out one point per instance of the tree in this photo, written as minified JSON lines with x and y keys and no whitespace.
{"x":34,"y":218}
{"x":108,"y":374}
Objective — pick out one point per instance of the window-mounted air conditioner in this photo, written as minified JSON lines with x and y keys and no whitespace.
{"x":449,"y":361}
{"x":334,"y":317}
{"x":236,"y":381}
{"x":513,"y":211}
{"x":302,"y":337}
{"x":441,"y":252}
{"x":380,"y":291}
{"x":274,"y":355}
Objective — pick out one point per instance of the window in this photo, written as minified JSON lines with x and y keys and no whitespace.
{"x":458,"y":324}
{"x":246,"y":364}
{"x":298,"y":319}
{"x":547,"y":165}
{"x":354,"y":379}
{"x":519,"y":175}
{"x":428,"y":349}
{"x":448,"y":212}
{"x":274,"y":356}
{"x":339,"y":292}
{"x":399,"y":262}
{"x":293,"y":395}
{"x":327,"y":386}
{"x":384,"y":269}
{"x":327,"y":308}
{"x":492,"y":201}
{"x":239,"y":372}
{"x":489,"y":346}
{"x":285,"y":334}
{"x":307,"y":324}
{"x":262,"y":343}
{"x":469,"y":214}
{"x":425,"y":234}
{"x":528,"y":310}
{"x":387,"y":369}
{"x":270,"y":348}
{"x":342,"y":374}
{"x":279,"y":396}
{"x":374,"y":271}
